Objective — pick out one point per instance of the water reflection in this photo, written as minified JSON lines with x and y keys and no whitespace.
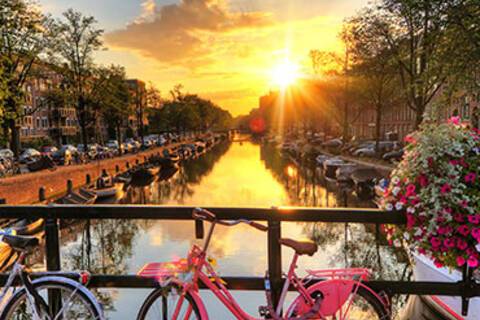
{"x":231,"y":174}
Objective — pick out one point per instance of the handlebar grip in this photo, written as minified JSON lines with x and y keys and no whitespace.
{"x":203,"y":214}
{"x":258,"y":226}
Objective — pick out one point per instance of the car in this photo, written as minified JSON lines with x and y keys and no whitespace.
{"x":7,"y":154}
{"x":48,"y":150}
{"x":63,"y":156}
{"x":395,"y":155}
{"x":29,"y":155}
{"x":368,"y":151}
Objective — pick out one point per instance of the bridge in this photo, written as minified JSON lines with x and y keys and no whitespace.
{"x":274,"y":217}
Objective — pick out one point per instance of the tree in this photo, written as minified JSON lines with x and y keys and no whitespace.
{"x":113,"y":98}
{"x":25,"y":34}
{"x":77,"y":41}
{"x":418,"y":34}
{"x":374,"y":64}
{"x":53,"y":100}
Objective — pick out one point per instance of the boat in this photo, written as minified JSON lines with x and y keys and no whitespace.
{"x":344,"y":172}
{"x":450,"y":307}
{"x":143,"y":176}
{"x":364,"y":180}
{"x":82,"y":196}
{"x":330,"y":167}
{"x":27,"y":226}
{"x":105,"y":187}
{"x":167,"y":173}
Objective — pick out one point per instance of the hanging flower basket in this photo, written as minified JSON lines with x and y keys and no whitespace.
{"x":437,"y":185}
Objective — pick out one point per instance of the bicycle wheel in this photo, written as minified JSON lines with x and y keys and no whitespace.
{"x":168,"y":304}
{"x":76,"y":302}
{"x":360,"y":305}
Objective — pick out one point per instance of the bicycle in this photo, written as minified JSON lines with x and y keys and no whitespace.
{"x":70,"y":299}
{"x":323,"y":294}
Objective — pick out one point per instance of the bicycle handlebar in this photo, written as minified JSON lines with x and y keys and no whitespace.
{"x":203,"y":214}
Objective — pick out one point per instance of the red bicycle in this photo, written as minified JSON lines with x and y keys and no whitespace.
{"x":339,"y":294}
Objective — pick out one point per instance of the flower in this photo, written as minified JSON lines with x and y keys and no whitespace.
{"x":460,"y":261}
{"x":470,"y":177}
{"x":446,"y":188}
{"x":436,"y":185}
{"x":472,"y":262}
{"x":454,"y":120}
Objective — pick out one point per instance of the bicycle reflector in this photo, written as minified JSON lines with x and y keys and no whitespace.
{"x":84,"y":277}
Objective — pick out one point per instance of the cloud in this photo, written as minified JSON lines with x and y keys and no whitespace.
{"x":183,"y":33}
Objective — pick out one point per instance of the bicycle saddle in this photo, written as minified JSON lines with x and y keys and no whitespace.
{"x":300,"y":247}
{"x":20,"y":242}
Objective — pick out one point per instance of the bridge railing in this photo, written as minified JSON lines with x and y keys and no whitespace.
{"x":273,"y":217}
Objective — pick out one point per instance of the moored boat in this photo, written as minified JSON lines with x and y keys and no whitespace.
{"x":450,"y":307}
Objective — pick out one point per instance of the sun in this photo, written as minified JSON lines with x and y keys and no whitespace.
{"x":285,"y":73}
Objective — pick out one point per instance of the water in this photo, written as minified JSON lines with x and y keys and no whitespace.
{"x":231,"y":174}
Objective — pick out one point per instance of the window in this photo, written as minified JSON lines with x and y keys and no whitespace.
{"x":38,"y":122}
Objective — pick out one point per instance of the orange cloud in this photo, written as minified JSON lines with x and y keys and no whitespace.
{"x":175,"y":33}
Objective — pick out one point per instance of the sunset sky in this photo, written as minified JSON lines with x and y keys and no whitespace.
{"x":225,"y":50}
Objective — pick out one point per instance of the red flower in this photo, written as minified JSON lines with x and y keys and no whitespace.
{"x":472,"y":262}
{"x":460,"y":261}
{"x":423,"y":180}
{"x":463,"y":230}
{"x":470,"y":178}
{"x":475,"y":219}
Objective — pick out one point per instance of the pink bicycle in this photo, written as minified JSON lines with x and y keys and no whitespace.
{"x":323,"y":294}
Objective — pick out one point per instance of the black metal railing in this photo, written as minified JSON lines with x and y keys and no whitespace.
{"x":273,"y":216}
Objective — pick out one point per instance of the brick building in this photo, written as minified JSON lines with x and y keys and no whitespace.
{"x":42,"y":120}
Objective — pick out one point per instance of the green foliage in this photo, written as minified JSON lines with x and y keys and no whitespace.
{"x":187,"y":112}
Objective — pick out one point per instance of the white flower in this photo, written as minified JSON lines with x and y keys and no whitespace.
{"x":406,"y":236}
{"x":396,"y":190}
{"x":411,"y":210}
{"x":418,"y":232}
{"x":398,"y":206}
{"x":395,"y":180}
{"x":389,"y":207}
{"x":397,"y":243}
{"x":478,"y":247}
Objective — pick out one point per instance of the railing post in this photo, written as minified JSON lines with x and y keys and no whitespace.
{"x":52,"y":255}
{"x":275,"y":260}
{"x":41,"y":195}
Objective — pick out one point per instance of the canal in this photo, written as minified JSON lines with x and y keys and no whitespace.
{"x":241,"y":173}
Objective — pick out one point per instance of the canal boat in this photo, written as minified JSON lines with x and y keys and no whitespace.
{"x":344,"y":172}
{"x":450,"y":307}
{"x":143,"y":175}
{"x":105,"y":187}
{"x":330,"y":167}
{"x":364,"y":180}
{"x":82,"y":196}
{"x":167,"y":173}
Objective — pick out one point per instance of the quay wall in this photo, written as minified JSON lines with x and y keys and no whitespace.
{"x":23,"y":189}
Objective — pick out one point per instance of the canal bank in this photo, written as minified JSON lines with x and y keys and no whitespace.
{"x":23,"y":189}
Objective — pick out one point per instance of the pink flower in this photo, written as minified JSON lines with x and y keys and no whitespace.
{"x":463,"y":230}
{"x":454,"y":120}
{"x":423,"y":180}
{"x":476,"y":233}
{"x":445,"y":188}
{"x":460,"y":261}
{"x":410,"y":221}
{"x":410,"y":190}
{"x":449,"y":243}
{"x":463,"y":203}
{"x":472,"y":262}
{"x":454,"y":162}
{"x":435,"y":242}
{"x":475,"y":219}
{"x":470,"y":177}
{"x":461,"y":244}
{"x":458,"y":217}
{"x":442,"y":230}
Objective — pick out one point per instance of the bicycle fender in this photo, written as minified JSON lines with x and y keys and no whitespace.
{"x":75,"y":284}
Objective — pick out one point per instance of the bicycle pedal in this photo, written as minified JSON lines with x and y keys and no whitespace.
{"x":263,"y":311}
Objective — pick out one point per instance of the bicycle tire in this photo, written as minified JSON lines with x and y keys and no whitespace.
{"x":65,"y":284}
{"x":377,"y":306}
{"x":158,"y":296}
